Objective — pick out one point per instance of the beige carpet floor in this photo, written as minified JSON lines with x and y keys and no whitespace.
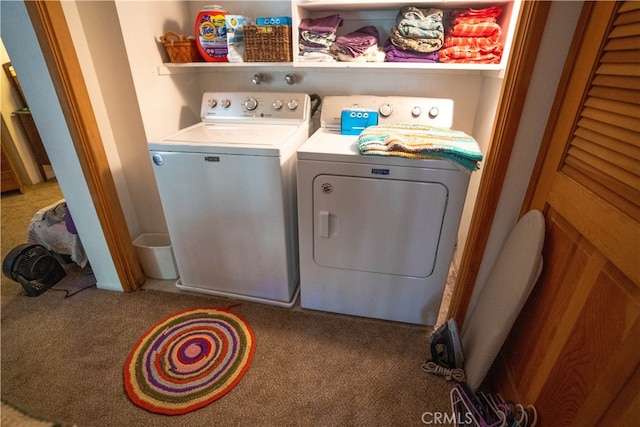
{"x":62,"y":358}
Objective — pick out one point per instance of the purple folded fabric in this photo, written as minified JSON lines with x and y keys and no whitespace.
{"x":326,"y":24}
{"x":395,"y":54}
{"x":358,"y":41}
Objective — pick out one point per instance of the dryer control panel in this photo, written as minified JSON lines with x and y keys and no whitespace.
{"x":259,"y":107}
{"x":391,"y":109}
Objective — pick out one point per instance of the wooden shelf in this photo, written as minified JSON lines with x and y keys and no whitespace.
{"x":383,"y":13}
{"x":368,"y":12}
{"x":175,"y":68}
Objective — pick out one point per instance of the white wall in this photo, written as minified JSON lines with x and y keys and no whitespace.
{"x":24,"y":50}
{"x":167,"y":102}
{"x":98,"y":41}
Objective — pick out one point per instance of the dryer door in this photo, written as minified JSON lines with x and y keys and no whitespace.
{"x":377,"y":225}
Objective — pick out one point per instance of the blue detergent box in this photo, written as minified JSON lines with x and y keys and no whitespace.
{"x":274,"y":20}
{"x":354,"y":120}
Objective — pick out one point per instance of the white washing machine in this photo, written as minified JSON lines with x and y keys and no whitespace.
{"x":377,"y":234}
{"x":227,"y":187}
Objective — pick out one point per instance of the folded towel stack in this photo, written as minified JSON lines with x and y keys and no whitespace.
{"x":317,"y":37}
{"x":421,"y":142}
{"x":360,"y":46}
{"x":418,"y":31}
{"x":395,"y":54}
{"x":473,"y":37}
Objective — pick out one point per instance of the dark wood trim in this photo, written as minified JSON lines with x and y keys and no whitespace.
{"x":533,"y":17}
{"x":13,"y":79}
{"x":55,"y":41}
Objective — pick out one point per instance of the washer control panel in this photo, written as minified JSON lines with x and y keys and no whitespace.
{"x":257,"y":107}
{"x":391,"y":109}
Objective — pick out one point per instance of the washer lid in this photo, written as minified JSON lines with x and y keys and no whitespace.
{"x":250,"y":139}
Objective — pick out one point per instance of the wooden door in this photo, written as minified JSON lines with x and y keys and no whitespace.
{"x":35,"y":142}
{"x":575,"y":350}
{"x":9,"y":180}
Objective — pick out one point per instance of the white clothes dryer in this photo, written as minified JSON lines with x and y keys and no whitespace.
{"x":377,"y":234}
{"x":227,"y":188}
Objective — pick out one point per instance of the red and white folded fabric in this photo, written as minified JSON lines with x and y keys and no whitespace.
{"x":488,"y":12}
{"x":470,"y":55}
{"x":474,"y":27}
{"x":473,"y":37}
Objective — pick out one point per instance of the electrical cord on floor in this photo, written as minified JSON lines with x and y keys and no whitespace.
{"x":67,"y":294}
{"x":450,"y":374}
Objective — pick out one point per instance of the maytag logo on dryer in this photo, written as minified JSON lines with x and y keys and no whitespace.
{"x":380,"y":171}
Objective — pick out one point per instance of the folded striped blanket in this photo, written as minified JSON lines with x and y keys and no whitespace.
{"x":475,"y":28}
{"x":489,"y":12}
{"x":470,"y":54}
{"x":490,"y":43}
{"x":473,"y":37}
{"x":421,"y":142}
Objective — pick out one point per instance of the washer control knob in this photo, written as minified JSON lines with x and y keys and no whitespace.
{"x":433,"y":112}
{"x":385,"y":110}
{"x":251,"y":104}
{"x":212,"y":102}
{"x":277,"y":104}
{"x":226,"y":103}
{"x":292,"y":105}
{"x":416,"y":111}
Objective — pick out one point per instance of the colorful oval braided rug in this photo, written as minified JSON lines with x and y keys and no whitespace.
{"x":188,"y":360}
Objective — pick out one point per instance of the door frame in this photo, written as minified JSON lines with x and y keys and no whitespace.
{"x":50,"y":25}
{"x":527,"y":38}
{"x":55,"y":41}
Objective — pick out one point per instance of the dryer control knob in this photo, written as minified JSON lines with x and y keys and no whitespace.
{"x":277,"y":104}
{"x":251,"y":104}
{"x":416,"y":111}
{"x":385,"y":110}
{"x":433,"y":112}
{"x":292,"y":105}
{"x":212,"y":102}
{"x":226,"y":103}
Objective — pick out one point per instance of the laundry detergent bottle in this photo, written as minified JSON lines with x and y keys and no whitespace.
{"x":211,"y":34}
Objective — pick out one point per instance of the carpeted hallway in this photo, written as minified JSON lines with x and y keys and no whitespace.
{"x":62,"y":358}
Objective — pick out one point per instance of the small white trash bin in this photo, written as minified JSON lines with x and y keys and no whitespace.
{"x":156,"y":256}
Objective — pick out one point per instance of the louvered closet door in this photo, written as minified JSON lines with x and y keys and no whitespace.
{"x":605,"y":146}
{"x":575,"y":350}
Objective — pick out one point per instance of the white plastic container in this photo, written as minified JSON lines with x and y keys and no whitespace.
{"x":235,"y":37}
{"x":156,"y":256}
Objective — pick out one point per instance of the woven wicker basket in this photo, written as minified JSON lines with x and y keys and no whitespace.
{"x":267,"y":43}
{"x":180,"y":48}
